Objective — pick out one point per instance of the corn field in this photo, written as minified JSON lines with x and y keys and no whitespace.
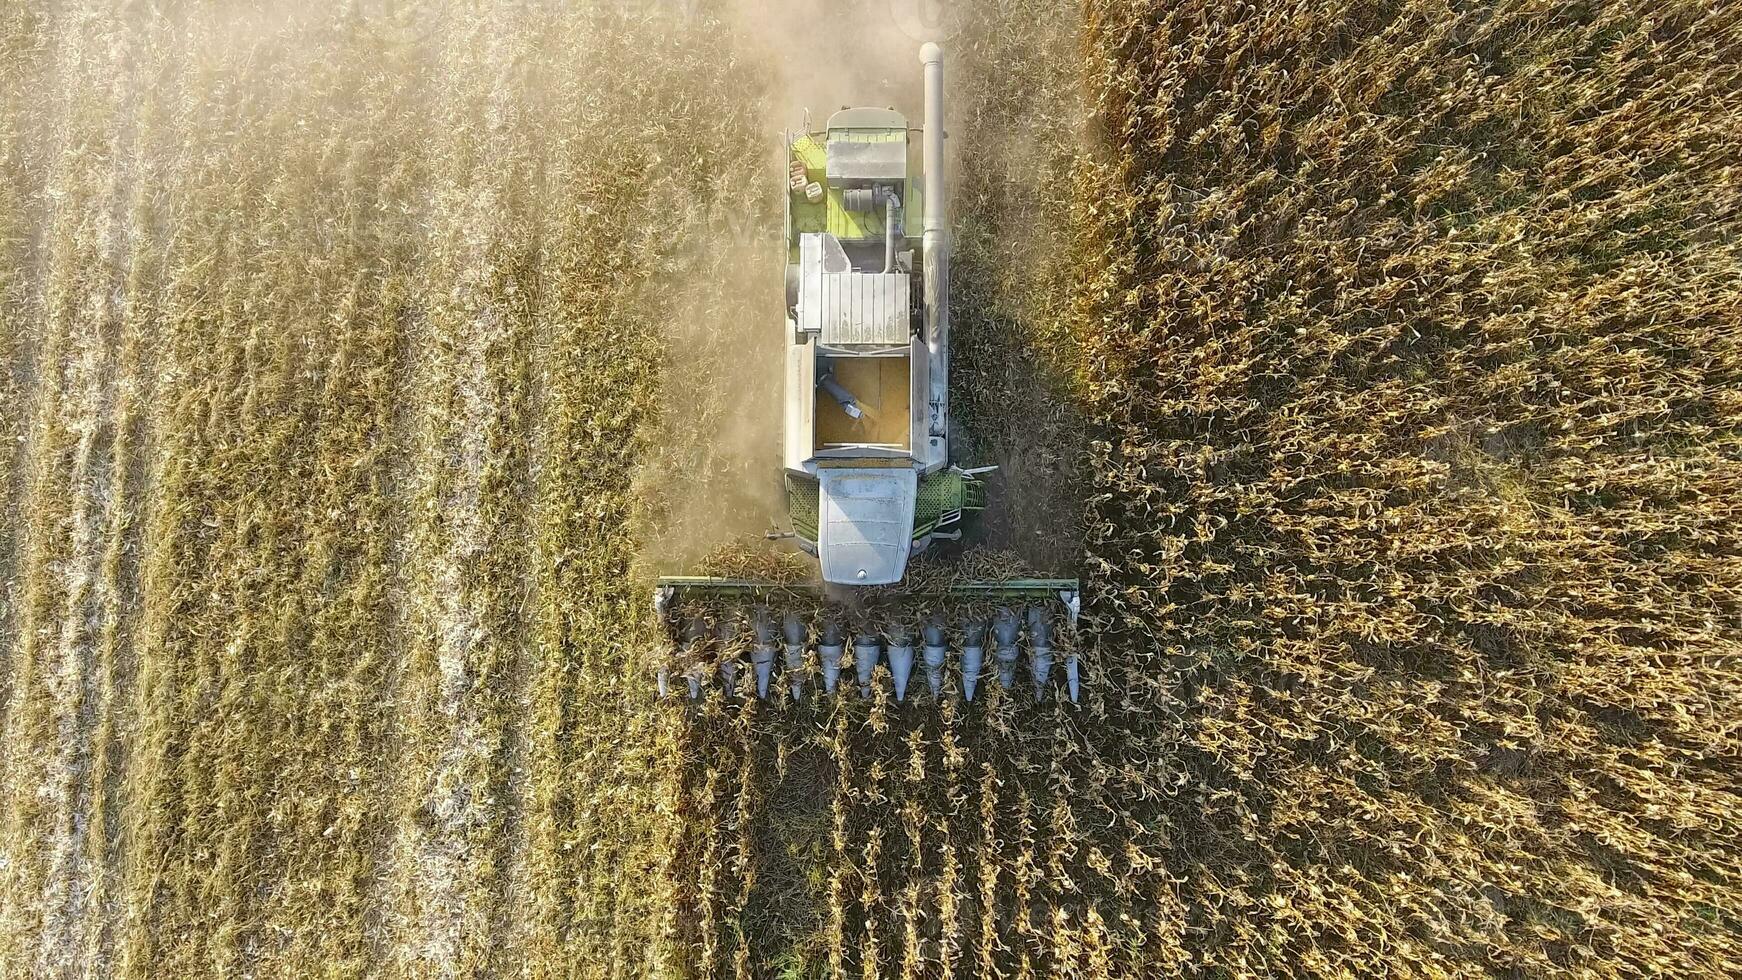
{"x":1377,"y":366}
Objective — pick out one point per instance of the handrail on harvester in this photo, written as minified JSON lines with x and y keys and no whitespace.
{"x":1066,"y":590}
{"x":1014,"y":588}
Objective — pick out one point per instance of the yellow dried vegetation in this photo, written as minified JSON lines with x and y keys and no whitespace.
{"x":1378,"y":365}
{"x":1413,"y":351}
{"x":332,"y":333}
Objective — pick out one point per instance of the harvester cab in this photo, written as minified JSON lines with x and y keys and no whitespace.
{"x":865,"y":450}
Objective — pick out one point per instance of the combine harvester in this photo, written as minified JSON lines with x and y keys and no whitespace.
{"x":866,"y":450}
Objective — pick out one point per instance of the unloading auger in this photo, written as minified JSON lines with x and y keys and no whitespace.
{"x":870,"y":481}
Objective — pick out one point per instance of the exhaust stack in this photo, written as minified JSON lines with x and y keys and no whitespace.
{"x":937,"y":261}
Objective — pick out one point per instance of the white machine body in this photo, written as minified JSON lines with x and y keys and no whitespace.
{"x":867,"y":359}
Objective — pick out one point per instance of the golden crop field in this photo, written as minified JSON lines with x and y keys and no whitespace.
{"x":1377,"y":365}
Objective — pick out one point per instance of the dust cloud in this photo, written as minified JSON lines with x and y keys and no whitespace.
{"x":831,"y":53}
{"x":711,"y":473}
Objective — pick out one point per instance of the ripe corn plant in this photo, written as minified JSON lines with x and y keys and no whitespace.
{"x":1414,"y":394}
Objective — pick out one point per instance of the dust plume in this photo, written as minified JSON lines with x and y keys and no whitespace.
{"x":711,"y":470}
{"x":831,"y":53}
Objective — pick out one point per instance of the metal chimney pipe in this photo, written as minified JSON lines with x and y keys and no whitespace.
{"x":936,"y":243}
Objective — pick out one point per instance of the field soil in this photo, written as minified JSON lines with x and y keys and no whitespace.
{"x":1376,"y":365}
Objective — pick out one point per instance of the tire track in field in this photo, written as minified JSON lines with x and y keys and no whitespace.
{"x":29,"y":719}
{"x":72,"y":686}
{"x":20,"y":205}
{"x":71,"y":594}
{"x":81,"y":917}
{"x":130,"y":478}
{"x":454,"y":844}
{"x":452,"y":813}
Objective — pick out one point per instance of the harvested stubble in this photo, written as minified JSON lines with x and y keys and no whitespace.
{"x":335,"y":332}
